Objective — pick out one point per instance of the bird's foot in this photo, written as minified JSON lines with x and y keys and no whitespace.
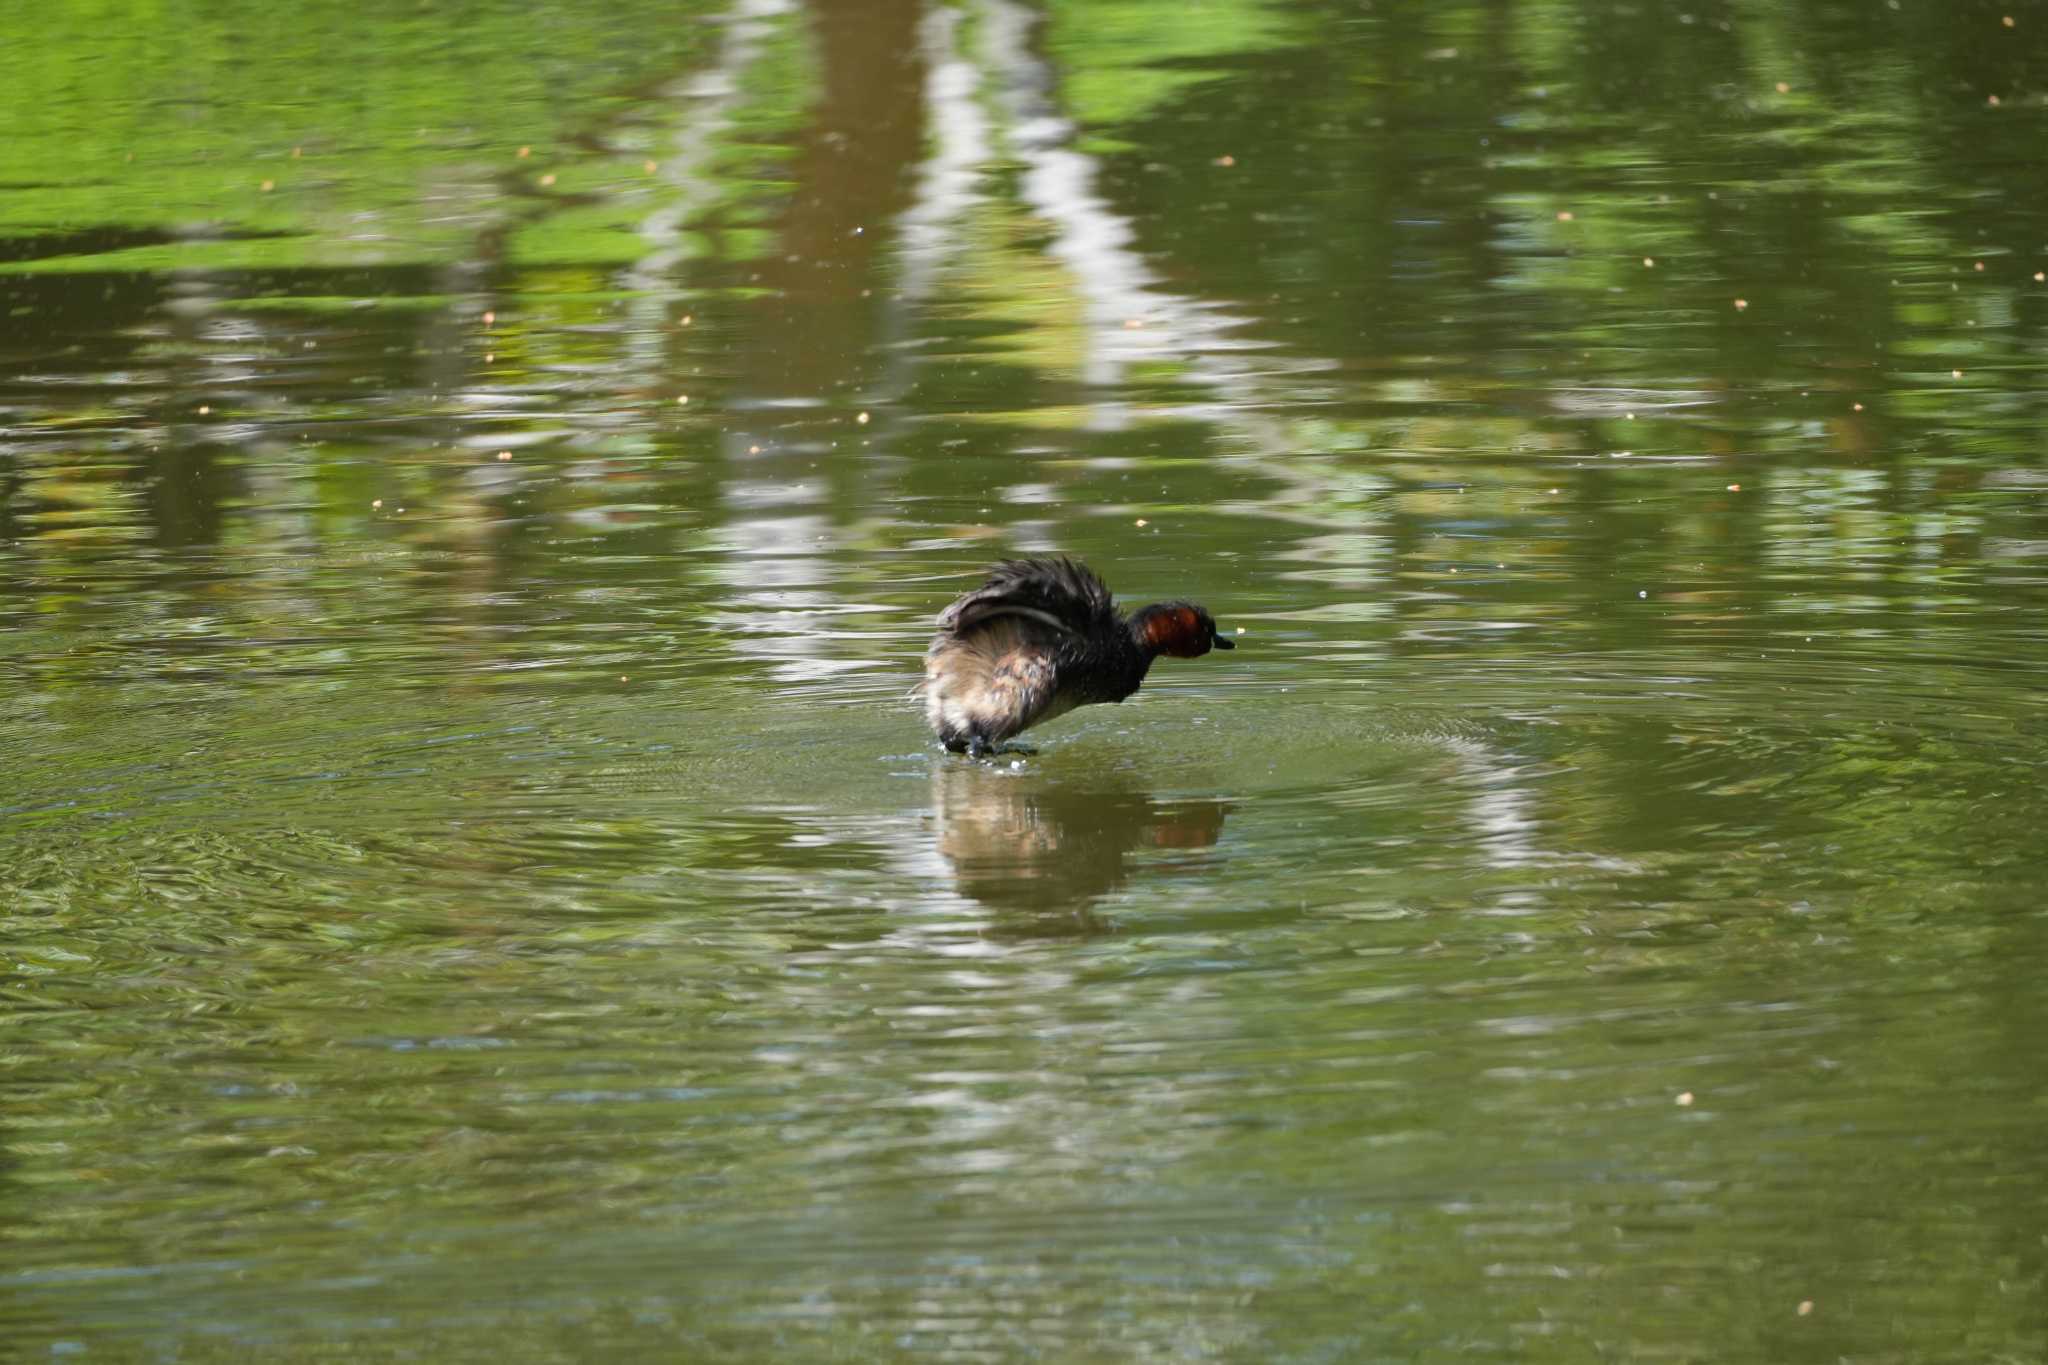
{"x":978,"y":748}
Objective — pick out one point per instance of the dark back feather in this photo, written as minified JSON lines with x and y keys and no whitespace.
{"x":1057,"y":592}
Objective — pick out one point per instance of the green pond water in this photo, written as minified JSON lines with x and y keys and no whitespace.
{"x":475,"y":485}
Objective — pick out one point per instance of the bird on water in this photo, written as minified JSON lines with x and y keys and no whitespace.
{"x":1040,"y":638}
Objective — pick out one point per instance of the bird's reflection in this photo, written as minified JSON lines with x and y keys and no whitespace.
{"x":1024,"y":841}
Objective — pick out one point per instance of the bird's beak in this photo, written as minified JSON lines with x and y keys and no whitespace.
{"x":1222,"y":641}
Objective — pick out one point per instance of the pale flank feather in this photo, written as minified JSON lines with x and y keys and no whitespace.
{"x":994,"y":680}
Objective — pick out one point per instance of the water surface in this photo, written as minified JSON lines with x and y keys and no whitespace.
{"x":473,"y":496}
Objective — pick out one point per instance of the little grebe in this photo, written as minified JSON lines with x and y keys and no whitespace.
{"x":1040,"y":638}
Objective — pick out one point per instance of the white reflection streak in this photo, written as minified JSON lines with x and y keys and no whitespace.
{"x":1129,"y":320}
{"x":709,"y":100}
{"x":1094,"y":242}
{"x":777,"y":617}
{"x":1501,"y":811}
{"x":949,"y":183}
{"x":1502,"y":814}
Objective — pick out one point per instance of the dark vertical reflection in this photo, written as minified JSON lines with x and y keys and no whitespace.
{"x":813,"y":334}
{"x":807,"y":318}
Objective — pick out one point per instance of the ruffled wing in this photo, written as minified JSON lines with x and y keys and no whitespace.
{"x":1057,"y":593}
